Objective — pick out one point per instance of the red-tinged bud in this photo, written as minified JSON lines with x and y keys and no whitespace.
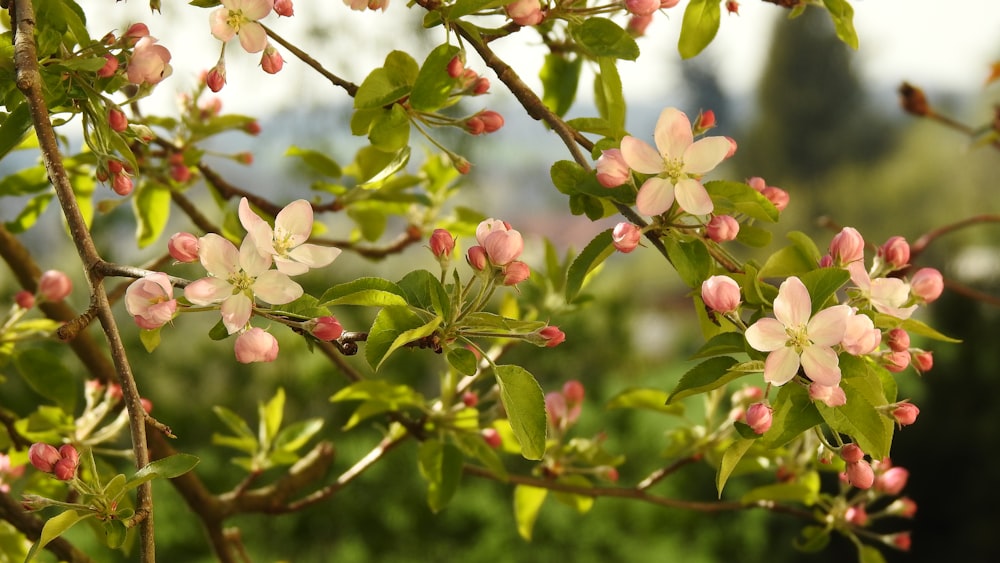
{"x":830,"y":395}
{"x":54,"y":286}
{"x":327,"y":328}
{"x":759,"y":416}
{"x":896,"y":361}
{"x":904,"y":413}
{"x":704,"y":122}
{"x":847,"y":246}
{"x":491,"y":437}
{"x":68,"y":452}
{"x":856,"y":515}
{"x":470,"y":399}
{"x":252,"y":128}
{"x":913,"y":100}
{"x":110,"y":66}
{"x":626,"y":236}
{"x":923,"y":360}
{"x":895,"y":252}
{"x":117,"y":120}
{"x":115,"y":167}
{"x":826,"y":261}
{"x":147,"y":405}
{"x":101,"y":175}
{"x":898,"y":340}
{"x":732,"y":147}
{"x":180,"y":173}
{"x":115,"y":392}
{"x":664,"y":4}
{"x":455,"y":67}
{"x":271,"y":60}
{"x":284,"y":8}
{"x":607,"y":472}
{"x":136,"y":32}
{"x":215,"y":79}
{"x":515,"y":273}
{"x":256,"y":345}
{"x":637,"y":25}
{"x":475,"y":126}
{"x":733,"y":7}
{"x":43,"y":456}
{"x":721,"y":294}
{"x":184,"y":247}
{"x":722,"y":228}
{"x":552,"y":336}
{"x":574,"y":392}
{"x":481,"y":86}
{"x":851,"y":453}
{"x":477,"y":258}
{"x":525,"y":12}
{"x":492,"y":120}
{"x":777,"y":196}
{"x":927,"y":284}
{"x":244,"y":158}
{"x":612,"y":170}
{"x":463,"y":166}
{"x":122,"y":184}
{"x":64,"y":470}
{"x":892,"y":481}
{"x":904,"y":507}
{"x":642,"y":7}
{"x":442,"y":243}
{"x":900,"y":541}
{"x":24,"y":299}
{"x":860,"y":474}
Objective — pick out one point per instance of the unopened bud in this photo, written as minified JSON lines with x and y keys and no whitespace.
{"x":492,"y":437}
{"x":54,"y":286}
{"x":898,"y":340}
{"x":117,"y":120}
{"x":759,"y":416}
{"x":327,"y":328}
{"x":24,"y":299}
{"x":913,"y":100}
{"x":722,"y":228}
{"x":895,"y":252}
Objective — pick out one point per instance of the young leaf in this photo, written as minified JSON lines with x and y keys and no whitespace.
{"x":388,"y":83}
{"x":318,"y":161}
{"x":604,"y":38}
{"x":462,"y":360}
{"x":150,"y":338}
{"x":433,"y":84}
{"x":367,"y":292}
{"x":701,"y":23}
{"x":473,"y":445}
{"x":167,"y":468}
{"x":722,"y":344}
{"x":271,"y":414}
{"x":641,"y":398}
{"x":560,"y":77}
{"x":592,"y":256}
{"x":407,"y":336}
{"x":297,"y":434}
{"x":234,"y":422}
{"x":580,"y":503}
{"x":708,"y":375}
{"x":794,"y":413}
{"x":730,"y":458}
{"x":55,"y":527}
{"x":843,"y":21}
{"x":114,"y":533}
{"x":441,"y":465}
{"x":525,"y":405}
{"x":691,"y":259}
{"x":151,"y":204}
{"x":527,"y":502}
{"x":422,"y":289}
{"x":45,"y":373}
{"x":822,"y":283}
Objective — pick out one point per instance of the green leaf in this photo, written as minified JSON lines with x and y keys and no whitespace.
{"x":441,"y":465}
{"x":869,"y":554}
{"x":423,"y":290}
{"x":407,"y":336}
{"x":822,"y":283}
{"x":390,"y":130}
{"x":812,"y":539}
{"x":527,"y":502}
{"x":754,"y":236}
{"x":722,"y":344}
{"x":45,"y":373}
{"x":218,"y":331}
{"x":462,"y":360}
{"x":317,"y":161}
{"x":55,"y":527}
{"x":483,"y":322}
{"x":473,"y":445}
{"x":782,"y":492}
{"x":793,"y":413}
{"x":609,"y":95}
{"x":367,"y":292}
{"x":843,"y":21}
{"x":913,"y":326}
{"x":150,"y":338}
{"x":737,"y":197}
{"x":644,"y":398}
{"x":377,"y":396}
{"x":28,"y":216}
{"x":592,"y":256}
{"x":387,"y":83}
{"x":604,"y":38}
{"x":271,"y":414}
{"x":152,"y":209}
{"x":14,"y":128}
{"x":691,"y":260}
{"x":524,"y":402}
{"x":800,"y":257}
{"x":167,"y":468}
{"x":114,"y":533}
{"x":560,"y":77}
{"x":389,"y":323}
{"x":234,"y":422}
{"x":710,"y":374}
{"x":858,"y":418}
{"x":433,"y":84}
{"x":730,"y":458}
{"x":297,"y":434}
{"x":700,"y":24}
{"x":395,"y":164}
{"x":466,"y":7}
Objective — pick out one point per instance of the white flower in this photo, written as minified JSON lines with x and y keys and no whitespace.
{"x":887,"y":295}
{"x":285,"y":243}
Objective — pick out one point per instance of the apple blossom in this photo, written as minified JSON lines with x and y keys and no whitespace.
{"x":625,"y":237}
{"x":271,"y":61}
{"x":515,"y":273}
{"x":887,"y":295}
{"x":235,"y":277}
{"x":922,"y":360}
{"x":256,"y":345}
{"x":721,"y":294}
{"x":149,"y":63}
{"x":150,"y":301}
{"x":502,"y":244}
{"x":477,"y":258}
{"x":136,"y":31}
{"x":722,"y":228}
{"x":552,"y":336}
{"x":847,"y":246}
{"x":895,"y":252}
{"x":926,"y":284}
{"x":183,"y":247}
{"x":759,"y":417}
{"x":239,"y":17}
{"x":642,"y":7}
{"x":896,"y":361}
{"x":24,"y":299}
{"x":677,"y":162}
{"x":110,"y":66}
{"x":612,"y":170}
{"x":285,"y":243}
{"x":892,"y":481}
{"x":215,"y":79}
{"x":794,"y":337}
{"x":860,"y":337}
{"x":898,"y":340}
{"x":830,"y":395}
{"x":442,"y":243}
{"x":904,"y":413}
{"x":525,"y":12}
{"x":54,"y":286}
{"x":43,"y":456}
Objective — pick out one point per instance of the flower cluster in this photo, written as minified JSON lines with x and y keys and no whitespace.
{"x":61,"y":463}
{"x":499,"y":248}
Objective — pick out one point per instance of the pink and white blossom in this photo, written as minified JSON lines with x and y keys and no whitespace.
{"x":625,"y":237}
{"x":236,"y":277}
{"x":183,"y":247}
{"x":612,"y":170}
{"x":927,"y":284}
{"x":239,"y":18}
{"x":677,"y":162}
{"x":830,"y":395}
{"x":150,"y":301}
{"x":795,"y":337}
{"x":285,"y":243}
{"x":847,"y":246}
{"x":721,"y":294}
{"x":759,"y":416}
{"x":54,"y":286}
{"x":256,"y":345}
{"x":502,"y":244}
{"x":860,"y":337}
{"x":722,"y":228}
{"x":887,"y":295}
{"x":149,"y":63}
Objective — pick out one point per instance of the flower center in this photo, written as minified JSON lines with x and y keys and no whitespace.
{"x":240,"y":281}
{"x":236,"y":19}
{"x":797,"y":338}
{"x":673,"y":168}
{"x":282,"y":242}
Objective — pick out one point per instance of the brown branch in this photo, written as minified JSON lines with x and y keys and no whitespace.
{"x":658,"y":475}
{"x":350,"y":87}
{"x":927,"y":238}
{"x":29,"y":82}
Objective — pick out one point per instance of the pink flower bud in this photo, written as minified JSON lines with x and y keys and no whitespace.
{"x":110,"y":66}
{"x":271,"y":60}
{"x":847,"y":246}
{"x":831,"y":396}
{"x":54,"y":286}
{"x":704,"y":121}
{"x":147,"y":405}
{"x":757,"y":183}
{"x":722,"y":228}
{"x":626,"y":237}
{"x":896,"y":361}
{"x":137,"y":31}
{"x":923,"y":360}
{"x":607,"y":472}
{"x":481,"y":86}
{"x":860,"y":337}
{"x":284,"y":8}
{"x":826,"y":261}
{"x":905,"y":414}
{"x":927,"y":284}
{"x":552,"y":336}
{"x":637,"y":25}
{"x":525,"y":12}
{"x":732,"y":147}
{"x":642,"y":7}
{"x":256,"y":345}
{"x":252,"y":128}
{"x":721,"y":294}
{"x":470,"y":399}
{"x":24,"y":299}
{"x":64,"y":469}
{"x":898,"y":340}
{"x":43,"y":456}
{"x":759,"y":417}
{"x":244,"y":158}
{"x":856,"y":515}
{"x":904,"y":507}
{"x":574,"y":392}
{"x":150,"y":301}
{"x":733,"y":7}
{"x":442,"y":243}
{"x":777,"y":196}
{"x":183,"y":247}
{"x":477,"y":258}
{"x":612,"y":171}
{"x":515,"y":273}
{"x":475,"y":126}
{"x":851,"y":453}
{"x":180,"y":173}
{"x":462,"y":165}
{"x":327,"y":328}
{"x":122,"y":184}
{"x":664,"y":4}
{"x":895,"y":252}
{"x":492,"y":121}
{"x":860,"y":474}
{"x":892,"y":481}
{"x":68,"y":452}
{"x":900,"y":541}
{"x":555,"y":407}
{"x":117,"y":120}
{"x":491,"y":437}
{"x":503,"y":247}
{"x":455,"y":67}
{"x":115,"y":167}
{"x":216,"y":78}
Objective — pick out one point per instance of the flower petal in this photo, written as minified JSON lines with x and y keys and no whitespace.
{"x":296,"y":220}
{"x":793,"y":305}
{"x":208,"y":291}
{"x":692,"y":197}
{"x":673,"y":133}
{"x":655,"y":196}
{"x":253,"y":38}
{"x":828,"y":326}
{"x":313,"y":255}
{"x":251,"y":260}
{"x":766,"y":335}
{"x":276,"y":288}
{"x":256,"y":9}
{"x":219,"y":25}
{"x":821,"y":365}
{"x":219,"y":256}
{"x":705,"y":154}
{"x":236,"y":312}
{"x":781,"y":366}
{"x":641,"y":157}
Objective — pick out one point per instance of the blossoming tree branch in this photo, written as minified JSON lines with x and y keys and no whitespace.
{"x":800,"y":351}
